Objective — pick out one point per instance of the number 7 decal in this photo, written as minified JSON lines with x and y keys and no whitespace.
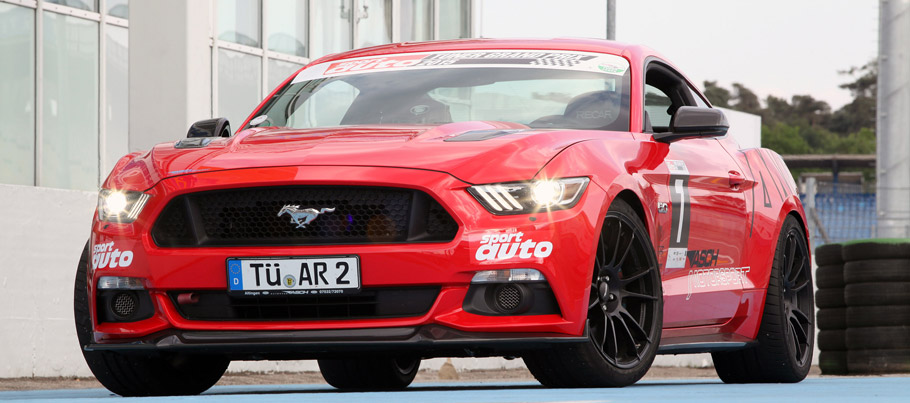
{"x":682,"y":214}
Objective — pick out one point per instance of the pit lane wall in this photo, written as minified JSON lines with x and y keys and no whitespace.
{"x":42,"y":233}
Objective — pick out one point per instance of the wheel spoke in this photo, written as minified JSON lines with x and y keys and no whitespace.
{"x":631,"y":338}
{"x":636,"y":276}
{"x":800,"y":316}
{"x":637,"y":326}
{"x":799,"y":287}
{"x":626,"y":252}
{"x":799,"y":332}
{"x":789,"y":252}
{"x":595,"y":297}
{"x":796,"y":342}
{"x":618,"y":238}
{"x":615,"y":343}
{"x":630,"y":294}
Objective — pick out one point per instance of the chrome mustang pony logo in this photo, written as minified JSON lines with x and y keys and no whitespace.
{"x":305,"y":216}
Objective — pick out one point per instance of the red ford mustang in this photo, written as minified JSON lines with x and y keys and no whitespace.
{"x":575,"y":203}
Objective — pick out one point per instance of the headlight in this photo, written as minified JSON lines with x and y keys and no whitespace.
{"x":120,"y":205}
{"x":530,"y":197}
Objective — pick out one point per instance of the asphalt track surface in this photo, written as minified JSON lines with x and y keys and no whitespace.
{"x":826,"y":389}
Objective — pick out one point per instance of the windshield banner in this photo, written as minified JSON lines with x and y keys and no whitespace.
{"x":579,"y":61}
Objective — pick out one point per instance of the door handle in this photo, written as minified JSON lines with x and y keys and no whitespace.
{"x":736,"y":180}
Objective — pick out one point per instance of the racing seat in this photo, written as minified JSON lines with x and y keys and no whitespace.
{"x":593,"y":109}
{"x":422,"y":110}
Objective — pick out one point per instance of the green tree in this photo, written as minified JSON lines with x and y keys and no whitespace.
{"x":746,"y":100}
{"x":718,"y":95}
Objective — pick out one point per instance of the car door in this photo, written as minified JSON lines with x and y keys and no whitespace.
{"x":702,"y":219}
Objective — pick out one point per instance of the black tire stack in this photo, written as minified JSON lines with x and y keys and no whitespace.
{"x":877,"y":293}
{"x":832,"y":310}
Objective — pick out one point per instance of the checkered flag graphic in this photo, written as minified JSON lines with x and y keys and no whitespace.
{"x":555,"y":62}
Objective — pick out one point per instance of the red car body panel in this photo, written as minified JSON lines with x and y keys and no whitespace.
{"x":738,"y":198}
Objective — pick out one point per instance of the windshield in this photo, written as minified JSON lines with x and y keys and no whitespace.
{"x":566,"y":90}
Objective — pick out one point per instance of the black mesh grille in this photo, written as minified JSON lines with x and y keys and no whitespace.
{"x":369,"y":303}
{"x":347,"y":215}
{"x":124,"y":305}
{"x":508,"y":297}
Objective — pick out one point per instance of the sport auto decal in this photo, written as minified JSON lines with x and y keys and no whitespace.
{"x":679,"y":199}
{"x":105,"y":256}
{"x":716,"y":277}
{"x":564,"y":60}
{"x":508,"y":245}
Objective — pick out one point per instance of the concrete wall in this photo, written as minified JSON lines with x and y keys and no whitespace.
{"x":43,"y":233}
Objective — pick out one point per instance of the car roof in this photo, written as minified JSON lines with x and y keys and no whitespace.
{"x":632,"y":52}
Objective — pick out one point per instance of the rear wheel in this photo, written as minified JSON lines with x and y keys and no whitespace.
{"x":139,"y":375}
{"x":624,"y":313}
{"x":374,"y":373}
{"x":785,"y":337}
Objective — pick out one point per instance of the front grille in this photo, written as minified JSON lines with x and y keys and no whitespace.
{"x":387,"y":302}
{"x":249,"y":217}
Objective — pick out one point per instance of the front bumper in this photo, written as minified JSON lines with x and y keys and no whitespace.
{"x":425,"y":341}
{"x":450,"y":266}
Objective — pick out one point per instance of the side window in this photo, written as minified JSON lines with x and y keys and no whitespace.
{"x":657,"y":106}
{"x":326,"y":107}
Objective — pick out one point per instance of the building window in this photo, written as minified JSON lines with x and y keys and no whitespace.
{"x":454,"y":19}
{"x":238,"y":21}
{"x":287,"y":26}
{"x":332,"y":20}
{"x":69,"y":137}
{"x":417,"y":20}
{"x":239,"y":78}
{"x":17,"y":103}
{"x":63,"y":115}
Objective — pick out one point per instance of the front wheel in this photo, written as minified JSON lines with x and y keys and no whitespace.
{"x":786,"y":335}
{"x":625,"y":313}
{"x":140,"y":375}
{"x":372,"y":373}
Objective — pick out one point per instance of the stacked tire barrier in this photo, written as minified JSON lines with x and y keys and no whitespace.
{"x":832,"y":310}
{"x":877,"y":295}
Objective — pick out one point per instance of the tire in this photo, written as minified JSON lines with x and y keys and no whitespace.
{"x":830,"y":276}
{"x":786,"y":336}
{"x":830,"y":298}
{"x":625,"y":313}
{"x":878,"y":315}
{"x":876,"y":271}
{"x":140,"y":375}
{"x":877,"y":249}
{"x":832,"y":340}
{"x":879,"y":338}
{"x":833,"y":362}
{"x":831,"y":318}
{"x":373,"y":373}
{"x":829,"y":254}
{"x":870,"y":294}
{"x":878,"y":361}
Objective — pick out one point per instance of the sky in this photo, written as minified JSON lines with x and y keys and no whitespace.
{"x":773,"y":47}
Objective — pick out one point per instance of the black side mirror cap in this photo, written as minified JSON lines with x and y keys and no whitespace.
{"x":692,"y":122}
{"x":218,"y":127}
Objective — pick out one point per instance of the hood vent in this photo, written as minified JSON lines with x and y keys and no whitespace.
{"x":480,"y":135}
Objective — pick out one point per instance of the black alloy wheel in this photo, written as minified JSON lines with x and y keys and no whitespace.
{"x":624,"y":312}
{"x":797,"y":289}
{"x":625,"y":294}
{"x":782,"y":352}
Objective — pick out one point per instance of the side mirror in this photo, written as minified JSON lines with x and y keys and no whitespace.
{"x":690,"y":122}
{"x":219,"y":127}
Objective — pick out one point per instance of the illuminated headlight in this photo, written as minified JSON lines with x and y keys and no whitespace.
{"x":530,"y":197}
{"x":508,"y":276}
{"x":120,"y":205}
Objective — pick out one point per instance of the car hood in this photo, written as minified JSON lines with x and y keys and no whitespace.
{"x":464,"y":150}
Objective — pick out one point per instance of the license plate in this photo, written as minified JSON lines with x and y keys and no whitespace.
{"x":294,"y":275}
